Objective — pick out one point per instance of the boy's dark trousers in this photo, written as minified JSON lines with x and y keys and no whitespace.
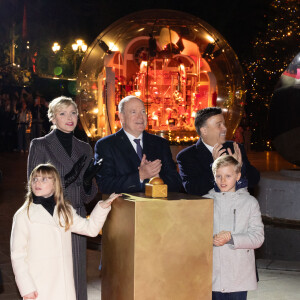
{"x":229,"y":296}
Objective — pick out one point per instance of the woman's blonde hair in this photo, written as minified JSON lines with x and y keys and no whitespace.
{"x":56,"y":105}
{"x":224,"y":161}
{"x":64,"y":208}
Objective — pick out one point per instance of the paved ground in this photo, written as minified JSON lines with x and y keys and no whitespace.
{"x":275,"y":282}
{"x":278,"y":280}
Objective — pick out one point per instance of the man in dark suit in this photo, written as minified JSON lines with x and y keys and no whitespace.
{"x":132,"y":156}
{"x":195,"y":161}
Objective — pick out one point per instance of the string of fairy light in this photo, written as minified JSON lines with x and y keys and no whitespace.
{"x":272,"y":53}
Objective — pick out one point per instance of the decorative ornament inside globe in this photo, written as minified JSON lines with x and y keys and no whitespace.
{"x":176,"y":63}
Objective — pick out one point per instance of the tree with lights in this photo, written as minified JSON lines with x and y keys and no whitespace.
{"x":273,"y":51}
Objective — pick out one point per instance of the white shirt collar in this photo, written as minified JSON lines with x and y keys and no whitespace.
{"x":210,"y":148}
{"x":132,"y":138}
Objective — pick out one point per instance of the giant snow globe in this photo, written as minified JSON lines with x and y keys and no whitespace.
{"x":176,"y":63}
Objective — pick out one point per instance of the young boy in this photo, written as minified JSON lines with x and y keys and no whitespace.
{"x":238,"y":230}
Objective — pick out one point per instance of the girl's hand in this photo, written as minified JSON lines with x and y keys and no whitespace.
{"x":32,"y":295}
{"x":107,"y":203}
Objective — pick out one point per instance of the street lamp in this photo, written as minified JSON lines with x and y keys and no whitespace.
{"x":79,"y":48}
{"x":55,"y":47}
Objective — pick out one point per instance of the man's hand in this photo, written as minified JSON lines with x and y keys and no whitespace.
{"x":221,"y":238}
{"x":32,"y":295}
{"x":217,"y":152}
{"x":237,"y":153}
{"x":149,"y":169}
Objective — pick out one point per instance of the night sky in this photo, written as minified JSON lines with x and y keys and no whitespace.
{"x":238,"y":21}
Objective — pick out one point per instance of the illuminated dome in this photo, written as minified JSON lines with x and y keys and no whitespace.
{"x":176,"y":63}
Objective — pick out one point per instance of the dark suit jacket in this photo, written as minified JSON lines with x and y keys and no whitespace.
{"x":119,"y":172}
{"x":195,"y":168}
{"x":49,"y":149}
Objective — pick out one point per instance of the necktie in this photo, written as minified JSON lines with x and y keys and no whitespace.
{"x":139,"y":149}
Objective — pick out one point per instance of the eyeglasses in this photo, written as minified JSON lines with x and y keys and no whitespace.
{"x":41,"y":179}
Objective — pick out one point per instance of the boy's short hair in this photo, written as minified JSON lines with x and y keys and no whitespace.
{"x":224,"y":161}
{"x":203,"y":115}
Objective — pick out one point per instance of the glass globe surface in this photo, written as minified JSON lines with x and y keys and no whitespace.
{"x":284,"y":119}
{"x":175,"y":62}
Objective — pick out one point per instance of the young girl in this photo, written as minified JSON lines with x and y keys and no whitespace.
{"x":41,"y":249}
{"x":238,"y":230}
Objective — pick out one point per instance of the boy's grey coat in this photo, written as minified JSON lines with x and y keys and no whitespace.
{"x":234,"y":265}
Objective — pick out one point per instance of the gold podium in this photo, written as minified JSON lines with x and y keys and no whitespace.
{"x":158,"y":249}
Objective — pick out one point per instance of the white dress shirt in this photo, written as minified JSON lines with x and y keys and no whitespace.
{"x":210,"y":148}
{"x":133,"y":143}
{"x":132,"y":138}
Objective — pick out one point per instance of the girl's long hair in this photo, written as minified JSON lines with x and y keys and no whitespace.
{"x":64,"y":208}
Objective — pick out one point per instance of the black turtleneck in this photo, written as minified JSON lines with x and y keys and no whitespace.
{"x":47,"y":203}
{"x":65,"y":139}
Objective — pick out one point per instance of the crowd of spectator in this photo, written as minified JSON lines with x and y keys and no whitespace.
{"x":23,"y":116}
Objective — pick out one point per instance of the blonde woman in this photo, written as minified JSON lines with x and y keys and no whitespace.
{"x":73,"y":160}
{"x":41,"y":250}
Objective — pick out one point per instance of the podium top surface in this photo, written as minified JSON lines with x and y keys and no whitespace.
{"x":171,"y":197}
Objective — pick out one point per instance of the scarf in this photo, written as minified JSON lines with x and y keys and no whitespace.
{"x":47,"y":203}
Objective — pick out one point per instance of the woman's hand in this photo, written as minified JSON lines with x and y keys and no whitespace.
{"x":108,"y":202}
{"x":32,"y":295}
{"x":90,"y":173}
{"x":70,"y":177}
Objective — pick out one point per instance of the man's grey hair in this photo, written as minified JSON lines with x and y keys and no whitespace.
{"x":125,"y":100}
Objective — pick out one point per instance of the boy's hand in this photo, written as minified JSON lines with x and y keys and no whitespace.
{"x":108,"y":202}
{"x":32,"y":295}
{"x":221,"y":238}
